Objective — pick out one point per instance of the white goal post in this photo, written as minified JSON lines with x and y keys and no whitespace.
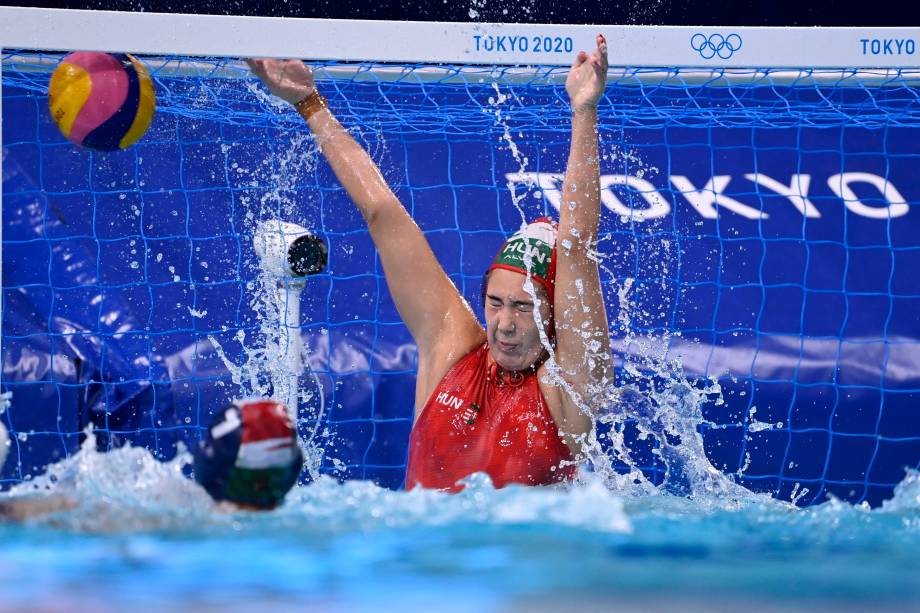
{"x":456,"y":43}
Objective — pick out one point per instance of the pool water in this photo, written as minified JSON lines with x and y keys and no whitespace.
{"x":145,"y":537}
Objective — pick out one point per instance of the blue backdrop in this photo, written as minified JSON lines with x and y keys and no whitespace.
{"x":768,"y":233}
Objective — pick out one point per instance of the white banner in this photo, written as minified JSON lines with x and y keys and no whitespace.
{"x":455,"y":43}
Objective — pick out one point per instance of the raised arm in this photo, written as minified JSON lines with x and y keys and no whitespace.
{"x":437,"y":316}
{"x":582,"y":346}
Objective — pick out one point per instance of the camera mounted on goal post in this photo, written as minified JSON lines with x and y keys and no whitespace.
{"x":286,"y":249}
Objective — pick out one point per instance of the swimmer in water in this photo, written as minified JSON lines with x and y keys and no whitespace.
{"x":248,"y":460}
{"x":486,"y":400}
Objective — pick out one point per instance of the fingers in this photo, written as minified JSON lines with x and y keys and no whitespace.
{"x":602,"y":50}
{"x":598,"y":57}
{"x":257,"y":66}
{"x":580,"y":59}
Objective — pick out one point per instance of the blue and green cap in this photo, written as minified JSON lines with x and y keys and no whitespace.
{"x":250,"y":455}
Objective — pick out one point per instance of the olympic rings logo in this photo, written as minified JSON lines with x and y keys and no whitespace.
{"x":715,"y":45}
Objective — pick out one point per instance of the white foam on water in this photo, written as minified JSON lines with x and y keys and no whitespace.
{"x":906,"y":496}
{"x":128,"y":490}
{"x":125,"y":489}
{"x":364,"y":505}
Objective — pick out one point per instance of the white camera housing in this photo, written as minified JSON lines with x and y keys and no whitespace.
{"x":288,"y":252}
{"x":286,"y":249}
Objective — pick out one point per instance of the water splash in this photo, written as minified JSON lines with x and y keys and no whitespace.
{"x":655,"y":395}
{"x":128,"y":490}
{"x":273,"y":360}
{"x":515,"y":545}
{"x":362,"y":504}
{"x":906,"y":496}
{"x":123,"y":489}
{"x":530,"y":181}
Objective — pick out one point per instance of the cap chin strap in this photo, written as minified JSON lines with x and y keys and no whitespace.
{"x":499,"y":375}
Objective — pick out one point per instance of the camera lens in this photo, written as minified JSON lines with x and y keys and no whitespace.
{"x":308,"y":255}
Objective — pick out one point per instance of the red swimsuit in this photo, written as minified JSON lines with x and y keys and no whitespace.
{"x":475,"y":423}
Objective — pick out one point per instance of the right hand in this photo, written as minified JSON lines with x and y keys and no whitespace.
{"x":290,"y":80}
{"x":588,"y":77}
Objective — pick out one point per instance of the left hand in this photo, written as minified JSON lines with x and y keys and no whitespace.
{"x":588,"y":77}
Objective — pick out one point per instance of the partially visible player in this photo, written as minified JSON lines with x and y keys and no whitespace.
{"x":250,"y":456}
{"x":248,"y":460}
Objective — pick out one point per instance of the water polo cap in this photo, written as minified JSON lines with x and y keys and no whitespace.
{"x":250,"y":454}
{"x":537,"y":242}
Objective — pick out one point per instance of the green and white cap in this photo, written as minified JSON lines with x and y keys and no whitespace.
{"x":532,"y":248}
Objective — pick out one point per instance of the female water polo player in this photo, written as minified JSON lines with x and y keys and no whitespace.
{"x":488,"y":400}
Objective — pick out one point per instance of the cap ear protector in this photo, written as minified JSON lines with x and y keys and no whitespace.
{"x":250,"y":454}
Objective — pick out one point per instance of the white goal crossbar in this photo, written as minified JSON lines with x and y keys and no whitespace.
{"x":455,"y":43}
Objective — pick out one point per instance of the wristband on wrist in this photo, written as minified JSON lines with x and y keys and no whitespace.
{"x":312,"y":104}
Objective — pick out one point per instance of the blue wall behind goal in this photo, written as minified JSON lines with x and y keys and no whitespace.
{"x":767,"y":235}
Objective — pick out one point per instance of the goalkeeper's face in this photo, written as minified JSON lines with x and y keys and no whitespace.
{"x":511,"y":319}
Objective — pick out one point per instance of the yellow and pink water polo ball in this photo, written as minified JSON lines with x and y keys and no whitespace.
{"x":101,"y":101}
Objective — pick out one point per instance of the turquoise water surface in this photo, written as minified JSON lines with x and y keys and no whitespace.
{"x":145,"y":537}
